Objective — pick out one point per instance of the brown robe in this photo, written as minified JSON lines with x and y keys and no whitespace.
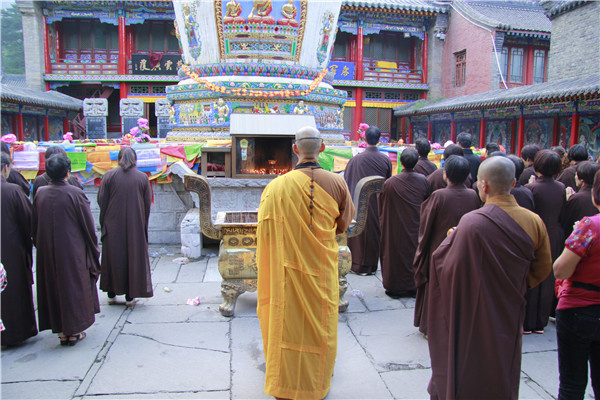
{"x":44,"y":180}
{"x":526,"y":174}
{"x":365,"y":247}
{"x":424,"y":166}
{"x":124,"y":199}
{"x":578,"y":206}
{"x":18,"y":179}
{"x":436,"y":180}
{"x":550,"y":197}
{"x":567,"y":177}
{"x":523,"y":196}
{"x":18,"y":314}
{"x":478,"y":279}
{"x":67,"y":264}
{"x":440,"y":212}
{"x":399,"y":212}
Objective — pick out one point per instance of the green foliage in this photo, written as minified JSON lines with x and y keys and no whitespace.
{"x":13,"y":55}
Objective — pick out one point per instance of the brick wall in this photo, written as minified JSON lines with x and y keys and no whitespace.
{"x":33,"y":43}
{"x":463,"y":35}
{"x":575,"y":48}
{"x":435,"y":50}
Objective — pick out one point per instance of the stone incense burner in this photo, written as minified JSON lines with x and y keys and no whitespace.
{"x":237,"y":232}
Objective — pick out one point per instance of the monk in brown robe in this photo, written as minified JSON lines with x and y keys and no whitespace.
{"x":67,"y":256}
{"x":18,"y":314}
{"x":44,"y":179}
{"x":522,"y":195}
{"x":365,"y":247}
{"x":399,"y":206}
{"x":577,"y":154}
{"x":15,"y":176}
{"x":478,"y":278}
{"x":528,"y":153}
{"x":439,"y":213}
{"x":424,"y":166}
{"x":550,"y":197}
{"x":580,"y":204}
{"x":436,"y":178}
{"x":125,"y":198}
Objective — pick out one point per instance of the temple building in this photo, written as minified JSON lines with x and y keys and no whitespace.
{"x":562,"y":108}
{"x":387,"y":54}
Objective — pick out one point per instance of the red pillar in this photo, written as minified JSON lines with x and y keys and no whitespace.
{"x":122,"y":66}
{"x":46,"y":128}
{"x":556,"y":137}
{"x":425,"y":46}
{"x":453,"y":130}
{"x":513,"y":135}
{"x":521,"y":134}
{"x":359,"y":77}
{"x":529,"y":66}
{"x":123,"y":90}
{"x":429,"y":130}
{"x":47,"y":65}
{"x":410,"y":132}
{"x":65,"y":125}
{"x":482,"y":129}
{"x":20,"y":134}
{"x":574,"y":129}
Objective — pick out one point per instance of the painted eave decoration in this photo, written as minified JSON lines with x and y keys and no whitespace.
{"x":582,"y":88}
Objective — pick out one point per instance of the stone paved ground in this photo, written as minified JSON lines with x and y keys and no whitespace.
{"x":163,"y":348}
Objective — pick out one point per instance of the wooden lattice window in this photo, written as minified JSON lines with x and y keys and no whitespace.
{"x":460,"y":76}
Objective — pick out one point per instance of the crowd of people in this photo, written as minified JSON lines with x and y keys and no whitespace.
{"x":474,"y":242}
{"x":60,"y":225}
{"x":491,"y":249}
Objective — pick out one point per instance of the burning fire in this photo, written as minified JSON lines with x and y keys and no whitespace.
{"x":266,"y":171}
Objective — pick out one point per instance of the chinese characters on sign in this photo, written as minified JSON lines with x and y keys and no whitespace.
{"x":142,"y":64}
{"x":343,"y":71}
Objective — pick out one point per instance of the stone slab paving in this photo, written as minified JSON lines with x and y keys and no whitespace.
{"x":165,"y":349}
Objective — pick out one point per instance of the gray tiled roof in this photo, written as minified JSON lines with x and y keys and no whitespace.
{"x":554,"y":8}
{"x":568,"y":89}
{"x":519,"y":15}
{"x":50,"y":98}
{"x":412,"y":5}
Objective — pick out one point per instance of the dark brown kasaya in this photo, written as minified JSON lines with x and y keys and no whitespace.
{"x":550,"y":197}
{"x":478,"y":278}
{"x":439,"y":213}
{"x":424,"y":166}
{"x":399,"y":208}
{"x":44,"y":180}
{"x":125,"y":198}
{"x":578,"y":206}
{"x":436,"y":180}
{"x":18,"y":314}
{"x":365,"y":247}
{"x":67,"y":265}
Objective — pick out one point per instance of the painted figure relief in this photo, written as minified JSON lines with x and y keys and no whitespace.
{"x":289,"y":13}
{"x":261,"y":12}
{"x":326,"y":31}
{"x":190,"y":29}
{"x":222,"y":111}
{"x":232,"y":13}
{"x":301,"y":108}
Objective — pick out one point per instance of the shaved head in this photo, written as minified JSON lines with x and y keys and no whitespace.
{"x":498,"y":173}
{"x":308,"y":141}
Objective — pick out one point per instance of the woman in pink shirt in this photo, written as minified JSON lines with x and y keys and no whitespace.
{"x":577,"y":271}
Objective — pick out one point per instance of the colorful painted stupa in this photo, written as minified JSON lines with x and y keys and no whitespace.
{"x":255,"y":67}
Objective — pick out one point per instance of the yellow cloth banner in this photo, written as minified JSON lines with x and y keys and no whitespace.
{"x":29,"y":174}
{"x":298,"y":289}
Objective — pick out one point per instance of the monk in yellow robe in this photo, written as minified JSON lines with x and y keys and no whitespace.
{"x":297,"y":257}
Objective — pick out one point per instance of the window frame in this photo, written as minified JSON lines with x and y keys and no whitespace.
{"x":167,"y":26}
{"x":460,"y":68}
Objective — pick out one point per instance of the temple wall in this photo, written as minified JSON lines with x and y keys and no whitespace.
{"x":172,"y":202}
{"x":575,"y":49}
